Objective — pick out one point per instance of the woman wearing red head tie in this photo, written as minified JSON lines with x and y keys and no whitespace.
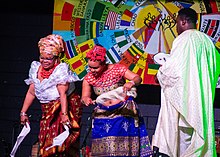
{"x":118,"y":129}
{"x":52,"y":83}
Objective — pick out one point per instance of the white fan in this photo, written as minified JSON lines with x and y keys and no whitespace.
{"x":161,"y":58}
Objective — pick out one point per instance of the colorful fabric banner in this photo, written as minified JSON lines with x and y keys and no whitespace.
{"x":131,"y":31}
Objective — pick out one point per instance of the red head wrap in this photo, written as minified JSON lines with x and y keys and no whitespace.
{"x":97,"y":53}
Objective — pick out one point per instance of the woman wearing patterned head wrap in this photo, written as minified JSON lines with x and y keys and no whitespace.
{"x":53,"y":84}
{"x":118,"y":129}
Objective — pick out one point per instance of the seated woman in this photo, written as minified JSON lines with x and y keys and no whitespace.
{"x":53,"y":84}
{"x":118,"y":129}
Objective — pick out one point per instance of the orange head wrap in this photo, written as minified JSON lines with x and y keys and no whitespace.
{"x":97,"y":53}
{"x":51,"y":44}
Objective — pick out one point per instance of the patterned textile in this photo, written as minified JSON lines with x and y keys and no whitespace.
{"x":51,"y":44}
{"x":110,"y":79}
{"x":50,"y":127}
{"x":119,"y":130}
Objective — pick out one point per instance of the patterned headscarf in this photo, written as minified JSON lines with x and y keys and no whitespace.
{"x":51,"y":44}
{"x":97,"y":53}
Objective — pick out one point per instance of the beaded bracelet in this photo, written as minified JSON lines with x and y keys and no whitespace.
{"x":23,"y":114}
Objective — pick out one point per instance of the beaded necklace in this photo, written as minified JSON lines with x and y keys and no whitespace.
{"x":46,"y":73}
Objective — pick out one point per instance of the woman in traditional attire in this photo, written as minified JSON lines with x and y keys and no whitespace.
{"x":117,"y":129}
{"x":53,"y":84}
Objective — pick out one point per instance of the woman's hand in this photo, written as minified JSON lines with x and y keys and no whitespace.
{"x":87,"y":101}
{"x":65,"y":120}
{"x":24,"y":118}
{"x":128,"y":85}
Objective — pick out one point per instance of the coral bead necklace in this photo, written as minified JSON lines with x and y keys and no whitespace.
{"x":46,"y":73}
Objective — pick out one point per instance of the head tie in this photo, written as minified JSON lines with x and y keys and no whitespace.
{"x":97,"y":53}
{"x":51,"y":44}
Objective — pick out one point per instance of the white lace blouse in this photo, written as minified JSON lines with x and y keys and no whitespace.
{"x":46,"y":90}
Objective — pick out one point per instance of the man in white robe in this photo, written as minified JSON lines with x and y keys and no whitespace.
{"x":185,"y":126}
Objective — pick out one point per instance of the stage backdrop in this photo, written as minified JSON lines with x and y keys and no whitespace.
{"x":132,"y":31}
